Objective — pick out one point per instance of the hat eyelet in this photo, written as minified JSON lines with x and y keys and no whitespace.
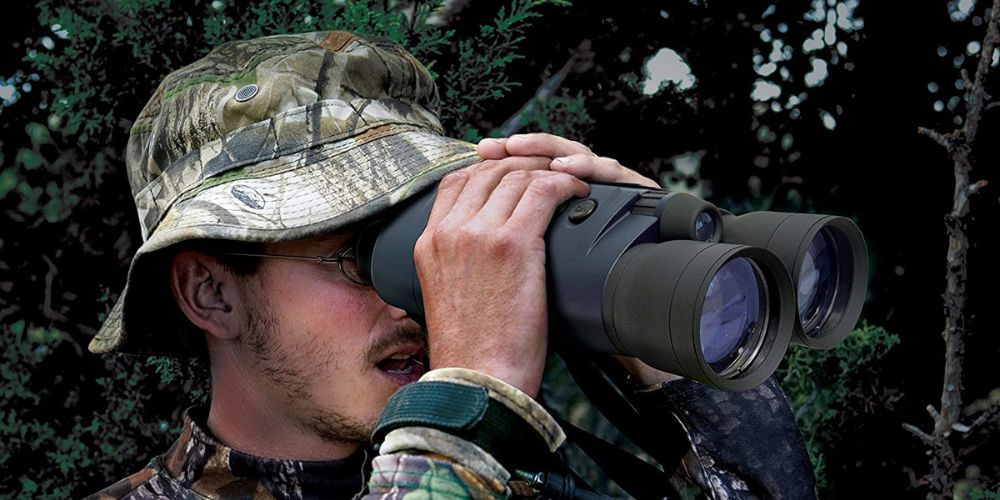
{"x":246,"y":92}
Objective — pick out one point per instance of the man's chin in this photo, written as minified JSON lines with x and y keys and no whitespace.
{"x":336,"y":428}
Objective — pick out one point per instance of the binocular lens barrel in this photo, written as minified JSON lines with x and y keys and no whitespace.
{"x":827,"y":260}
{"x":732,"y":315}
{"x":819,"y":276}
{"x":718,"y":313}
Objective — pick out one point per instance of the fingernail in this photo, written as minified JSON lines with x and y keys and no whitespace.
{"x":564,"y":160}
{"x":496,"y":141}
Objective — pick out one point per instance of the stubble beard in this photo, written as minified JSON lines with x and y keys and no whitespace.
{"x":294,"y":376}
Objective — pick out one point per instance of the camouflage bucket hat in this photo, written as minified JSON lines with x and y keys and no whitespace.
{"x":278,"y":138}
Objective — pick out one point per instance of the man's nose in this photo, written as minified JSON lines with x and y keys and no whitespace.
{"x":396,"y":313}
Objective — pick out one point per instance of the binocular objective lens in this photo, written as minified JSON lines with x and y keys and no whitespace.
{"x":704,"y":227}
{"x":818,"y":281}
{"x":731,"y":314}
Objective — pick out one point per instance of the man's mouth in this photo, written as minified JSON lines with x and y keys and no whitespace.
{"x":404,"y":366}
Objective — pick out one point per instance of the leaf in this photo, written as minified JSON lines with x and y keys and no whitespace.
{"x":28,"y":486}
{"x":8,"y":181}
{"x":29,"y":159}
{"x":17,"y":327}
{"x":39,"y":134}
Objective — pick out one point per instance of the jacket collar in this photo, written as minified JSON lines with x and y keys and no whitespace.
{"x":204,"y":465}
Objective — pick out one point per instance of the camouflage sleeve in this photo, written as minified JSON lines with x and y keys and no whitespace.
{"x":743,"y":444}
{"x":420,"y":462}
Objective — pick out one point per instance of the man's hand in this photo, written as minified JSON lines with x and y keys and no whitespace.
{"x":481,"y":264}
{"x":576,"y":159}
{"x":566,"y":156}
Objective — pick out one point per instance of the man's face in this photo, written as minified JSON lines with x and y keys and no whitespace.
{"x":326,"y":351}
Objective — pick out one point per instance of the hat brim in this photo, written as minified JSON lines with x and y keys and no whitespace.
{"x":312,"y":192}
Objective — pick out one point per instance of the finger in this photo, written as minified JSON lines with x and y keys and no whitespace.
{"x":492,"y":149}
{"x":506,"y":196}
{"x":599,"y":169}
{"x":541,"y":197}
{"x":448,"y":191}
{"x":483,"y":179}
{"x":543,"y":145}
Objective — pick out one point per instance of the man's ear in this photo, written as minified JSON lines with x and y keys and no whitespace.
{"x":205,"y":292}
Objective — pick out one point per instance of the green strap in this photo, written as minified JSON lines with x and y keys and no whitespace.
{"x":467,"y":412}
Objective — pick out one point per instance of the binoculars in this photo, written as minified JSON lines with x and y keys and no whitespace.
{"x":669,"y":278}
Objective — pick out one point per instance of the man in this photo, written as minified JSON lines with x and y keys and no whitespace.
{"x":253,"y":169}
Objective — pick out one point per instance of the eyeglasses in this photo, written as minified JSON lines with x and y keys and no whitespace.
{"x":346,"y":259}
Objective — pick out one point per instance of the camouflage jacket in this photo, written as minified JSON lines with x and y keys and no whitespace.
{"x":742,"y":445}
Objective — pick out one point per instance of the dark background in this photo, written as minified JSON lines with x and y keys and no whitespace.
{"x":70,"y":422}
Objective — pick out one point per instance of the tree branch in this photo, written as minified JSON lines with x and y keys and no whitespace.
{"x":943,"y":139}
{"x":965,"y":78}
{"x":944,"y":462}
{"x":976,"y":95}
{"x":936,"y":417}
{"x":13,"y":308}
{"x":50,"y":276}
{"x":56,"y":316}
{"x":580,"y":60}
{"x":923,"y":436}
{"x":977,"y":186}
{"x":988,"y":416}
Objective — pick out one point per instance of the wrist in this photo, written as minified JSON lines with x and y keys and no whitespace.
{"x":498,"y":419}
{"x":518,"y":369}
{"x":518,"y":378}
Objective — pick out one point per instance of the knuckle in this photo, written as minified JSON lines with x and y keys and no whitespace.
{"x":611,"y":162}
{"x":492,"y":165}
{"x":423,"y":248}
{"x":441,"y":236}
{"x":539,"y":136}
{"x":546,"y":185}
{"x":469,"y":234}
{"x":504,"y":242}
{"x":454,"y":179}
{"x":484,"y":165}
{"x":530,"y":140}
{"x":520,"y":138}
{"x":450,"y":238}
{"x":433,"y":240}
{"x":516,"y":177}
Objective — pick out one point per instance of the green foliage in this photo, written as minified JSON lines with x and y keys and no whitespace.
{"x":230,"y":20}
{"x":40,"y":416}
{"x":42,"y":177}
{"x":821,"y":385}
{"x":63,"y":190}
{"x":975,"y":486}
{"x":476,"y":69}
{"x":978,"y":494}
{"x":192,"y":374}
{"x":478,"y":76}
{"x":560,"y":115}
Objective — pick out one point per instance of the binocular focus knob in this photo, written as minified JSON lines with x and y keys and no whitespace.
{"x":582,"y":210}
